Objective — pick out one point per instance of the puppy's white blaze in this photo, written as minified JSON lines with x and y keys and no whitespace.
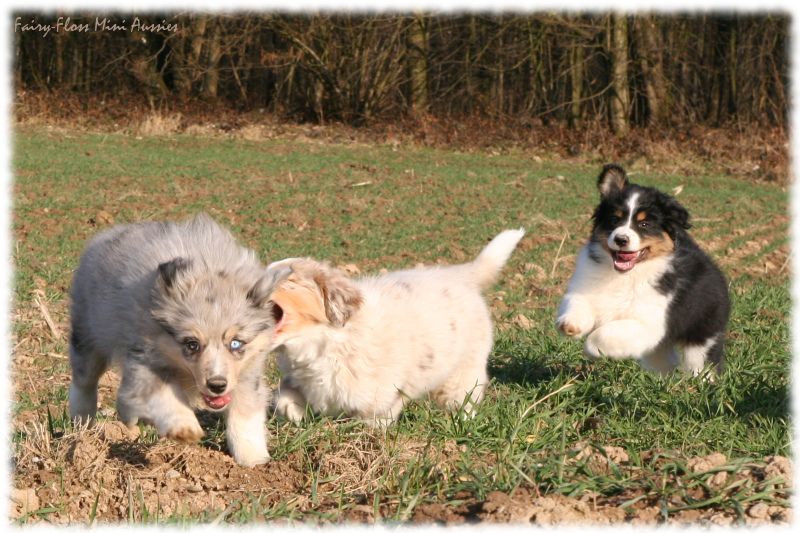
{"x":217,"y":367}
{"x":627,"y":230}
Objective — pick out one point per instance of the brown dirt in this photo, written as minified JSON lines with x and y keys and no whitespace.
{"x":109,"y":473}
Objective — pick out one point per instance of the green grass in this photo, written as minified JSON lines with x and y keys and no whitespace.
{"x":383,"y":208}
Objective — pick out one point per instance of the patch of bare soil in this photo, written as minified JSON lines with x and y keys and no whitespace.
{"x":526,"y":506}
{"x":106,"y":474}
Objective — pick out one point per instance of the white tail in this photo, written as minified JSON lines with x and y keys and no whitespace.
{"x":490,"y":261}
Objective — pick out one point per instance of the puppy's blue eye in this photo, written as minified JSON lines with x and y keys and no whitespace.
{"x":236,"y":344}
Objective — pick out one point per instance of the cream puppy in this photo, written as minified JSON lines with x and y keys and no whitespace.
{"x":365,"y":348}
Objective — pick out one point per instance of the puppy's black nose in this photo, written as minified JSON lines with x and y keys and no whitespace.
{"x":217,"y":384}
{"x":621,"y":240}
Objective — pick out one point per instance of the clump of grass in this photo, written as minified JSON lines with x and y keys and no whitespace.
{"x":158,"y":123}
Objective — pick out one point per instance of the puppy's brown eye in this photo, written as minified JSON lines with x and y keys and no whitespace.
{"x":192,"y":345}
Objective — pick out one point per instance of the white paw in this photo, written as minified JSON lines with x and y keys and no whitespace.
{"x":289,"y":407}
{"x":576,"y":325}
{"x":180,"y":428}
{"x":569,"y":329}
{"x":597,"y":346}
{"x":247,"y":436}
{"x":249,"y":454}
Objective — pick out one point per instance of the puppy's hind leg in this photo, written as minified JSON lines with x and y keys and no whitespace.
{"x":145,"y":395}
{"x":87,"y":368}
{"x":661,"y":361}
{"x":463,"y":391}
{"x":695,"y":356}
{"x":389,"y":416}
{"x":246,"y":422}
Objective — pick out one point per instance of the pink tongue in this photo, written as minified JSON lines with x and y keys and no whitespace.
{"x":217,"y":402}
{"x":625,"y":261}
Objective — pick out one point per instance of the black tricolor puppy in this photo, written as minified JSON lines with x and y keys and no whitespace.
{"x":642,"y":287}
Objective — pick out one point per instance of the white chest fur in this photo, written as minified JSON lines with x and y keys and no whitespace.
{"x":620,"y":295}
{"x":623,"y":313}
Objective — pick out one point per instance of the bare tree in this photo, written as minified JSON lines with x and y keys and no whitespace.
{"x":618,"y":57}
{"x":621,"y":70}
{"x":418,"y":63}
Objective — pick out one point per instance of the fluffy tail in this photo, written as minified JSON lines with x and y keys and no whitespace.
{"x":487,"y":266}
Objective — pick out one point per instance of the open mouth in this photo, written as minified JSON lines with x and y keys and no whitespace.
{"x":217,"y":402}
{"x":625,"y":260}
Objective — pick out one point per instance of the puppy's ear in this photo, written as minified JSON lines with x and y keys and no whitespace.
{"x":172,"y":279}
{"x":341,"y":296}
{"x":260,"y":292}
{"x":677,"y":216}
{"x":612,"y":180}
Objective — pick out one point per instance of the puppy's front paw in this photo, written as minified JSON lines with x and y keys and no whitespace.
{"x":248,"y":454}
{"x":575,"y":325}
{"x":603,"y":342}
{"x":182,"y":430}
{"x":569,"y":329}
{"x":575,"y":316}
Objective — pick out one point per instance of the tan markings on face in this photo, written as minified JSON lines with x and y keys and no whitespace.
{"x":618,"y":213}
{"x":228,"y":337}
{"x":641,"y":216}
{"x":302,"y":307}
{"x":660,"y":245}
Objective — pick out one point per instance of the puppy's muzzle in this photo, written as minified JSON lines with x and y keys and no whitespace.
{"x":217,"y":384}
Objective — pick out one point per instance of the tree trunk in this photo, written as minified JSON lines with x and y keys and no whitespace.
{"x":418,"y":64}
{"x":211,"y":74}
{"x":469,"y":64}
{"x":576,"y":78}
{"x":652,"y":65}
{"x":618,"y":54}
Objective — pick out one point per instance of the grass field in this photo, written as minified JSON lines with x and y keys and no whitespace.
{"x":553,"y":423}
